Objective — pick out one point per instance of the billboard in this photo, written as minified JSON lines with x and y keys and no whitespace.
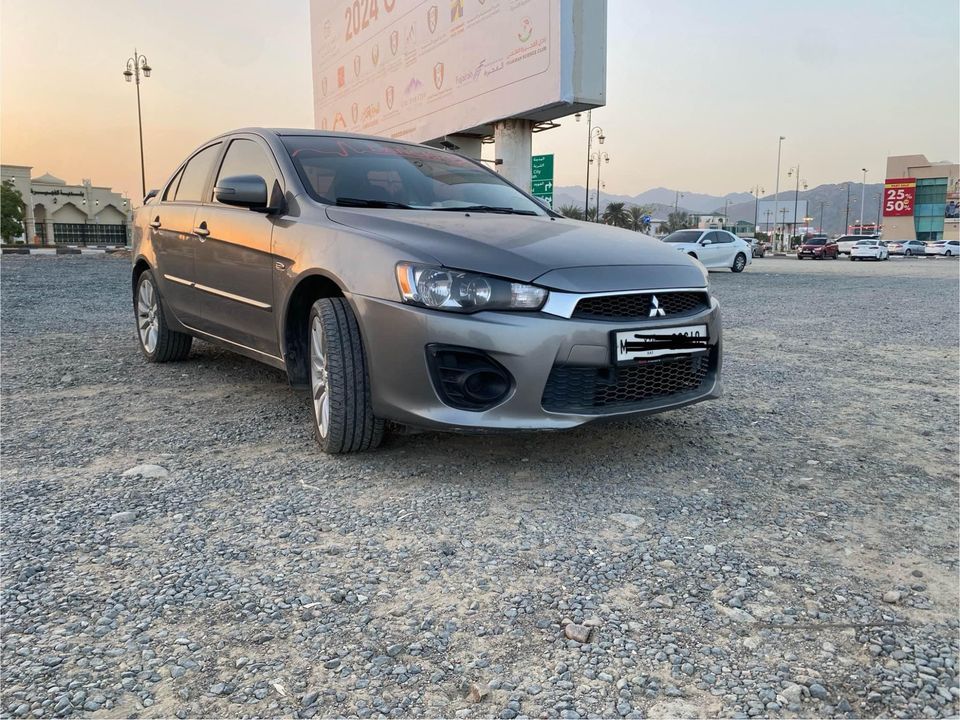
{"x":770,"y":213}
{"x":898,"y":197}
{"x":421,"y":69}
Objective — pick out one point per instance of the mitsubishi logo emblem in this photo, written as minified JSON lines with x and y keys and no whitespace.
{"x":655,"y":309}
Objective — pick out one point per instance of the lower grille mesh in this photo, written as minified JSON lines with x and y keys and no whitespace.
{"x":591,"y":390}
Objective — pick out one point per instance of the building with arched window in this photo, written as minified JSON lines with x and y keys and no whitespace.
{"x":61,"y":214}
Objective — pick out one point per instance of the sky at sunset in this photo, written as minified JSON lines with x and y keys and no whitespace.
{"x":698,"y":91}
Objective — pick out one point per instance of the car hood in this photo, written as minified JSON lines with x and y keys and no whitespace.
{"x":592,"y":257}
{"x":805,"y":246}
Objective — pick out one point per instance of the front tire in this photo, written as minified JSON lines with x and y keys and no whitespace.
{"x":907,"y":253}
{"x":343,"y":416}
{"x":947,"y":253}
{"x":158,"y":343}
{"x":739,"y":263}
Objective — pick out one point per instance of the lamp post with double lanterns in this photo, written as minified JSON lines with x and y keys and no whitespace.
{"x":600,"y":157}
{"x":591,"y":132}
{"x":863,"y":190}
{"x":137,"y":66}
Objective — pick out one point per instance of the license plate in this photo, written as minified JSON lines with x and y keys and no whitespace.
{"x":656,"y":342}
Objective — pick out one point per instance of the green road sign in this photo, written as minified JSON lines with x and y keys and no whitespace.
{"x":542,"y":167}
{"x":541,"y":173}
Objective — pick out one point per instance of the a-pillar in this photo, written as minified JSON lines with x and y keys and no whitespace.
{"x":513,"y":140}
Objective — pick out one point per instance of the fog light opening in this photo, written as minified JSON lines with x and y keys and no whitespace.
{"x":484,"y":386}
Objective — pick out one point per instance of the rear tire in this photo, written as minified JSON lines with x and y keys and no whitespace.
{"x":739,"y":263}
{"x":907,"y":253}
{"x":343,"y":416}
{"x":947,"y":253}
{"x":158,"y":343}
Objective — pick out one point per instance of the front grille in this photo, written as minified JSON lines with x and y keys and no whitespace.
{"x":637,"y":306}
{"x":591,"y":390}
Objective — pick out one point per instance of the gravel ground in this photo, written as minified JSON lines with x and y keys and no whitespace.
{"x":174,"y":545}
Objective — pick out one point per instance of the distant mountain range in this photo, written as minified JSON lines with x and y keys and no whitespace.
{"x":741,"y":206}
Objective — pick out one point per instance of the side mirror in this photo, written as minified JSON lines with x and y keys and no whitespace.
{"x":706,"y":242}
{"x":249,"y":191}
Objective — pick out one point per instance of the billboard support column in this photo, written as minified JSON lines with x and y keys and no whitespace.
{"x":513,"y":140}
{"x":469,"y":145}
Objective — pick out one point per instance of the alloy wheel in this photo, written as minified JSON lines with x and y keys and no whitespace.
{"x":318,"y":377}
{"x":148,"y":322}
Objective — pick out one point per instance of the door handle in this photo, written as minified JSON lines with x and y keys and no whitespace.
{"x":201,"y":231}
{"x":156,"y":222}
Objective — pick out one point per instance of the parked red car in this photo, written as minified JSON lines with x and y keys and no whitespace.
{"x":818,"y":248}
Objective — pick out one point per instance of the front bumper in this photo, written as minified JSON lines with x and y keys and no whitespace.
{"x":528,"y":345}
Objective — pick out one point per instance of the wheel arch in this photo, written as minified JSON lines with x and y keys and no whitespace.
{"x":308,"y":290}
{"x":139,"y":267}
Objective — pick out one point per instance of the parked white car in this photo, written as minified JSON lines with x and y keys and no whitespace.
{"x":907,"y":247}
{"x":869,"y":250}
{"x":716,"y":249}
{"x":948,"y":248}
{"x":845,"y":243}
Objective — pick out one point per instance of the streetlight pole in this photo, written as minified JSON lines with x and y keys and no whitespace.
{"x":846,"y":216}
{"x":758,"y":191}
{"x":135,"y":66}
{"x":876,"y":229}
{"x":822,"y":203}
{"x":863,"y":190}
{"x":776,"y":195}
{"x":591,"y":131}
{"x":601,"y":157}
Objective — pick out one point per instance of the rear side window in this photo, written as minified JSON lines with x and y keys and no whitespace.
{"x":246,"y":157}
{"x":195,"y":174}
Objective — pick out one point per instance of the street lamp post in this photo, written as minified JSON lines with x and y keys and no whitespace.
{"x":863,"y":190}
{"x":676,"y":202}
{"x":591,"y":131}
{"x":758,"y":191}
{"x":846,"y":216}
{"x":600,"y":157}
{"x":135,"y":66}
{"x":822,"y":203}
{"x":776,"y":195}
{"x":796,"y":193}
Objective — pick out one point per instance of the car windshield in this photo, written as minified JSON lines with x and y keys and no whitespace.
{"x":816,"y":241}
{"x":867,"y":243}
{"x":683,"y":236}
{"x":369,"y":173}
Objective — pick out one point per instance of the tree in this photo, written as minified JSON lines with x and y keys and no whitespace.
{"x":616,"y":214}
{"x":678,"y":221}
{"x":637,"y":213}
{"x":11,"y":211}
{"x":574,"y":212}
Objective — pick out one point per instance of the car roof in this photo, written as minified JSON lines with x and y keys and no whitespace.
{"x":289,"y":132}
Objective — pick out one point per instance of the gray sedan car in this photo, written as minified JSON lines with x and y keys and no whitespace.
{"x":403,"y":283}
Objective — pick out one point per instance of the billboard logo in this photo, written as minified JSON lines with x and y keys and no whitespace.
{"x":356,"y":64}
{"x":526,"y":30}
{"x":394,"y":42}
{"x":390,"y":97}
{"x":411,"y":34}
{"x":354,"y":112}
{"x":438,"y":75}
{"x":338,"y":121}
{"x":471,"y":75}
{"x":432,"y":14}
{"x":323,"y":123}
{"x":456,"y":10}
{"x":375,"y":54}
{"x":412,"y":86}
{"x":341,"y":77}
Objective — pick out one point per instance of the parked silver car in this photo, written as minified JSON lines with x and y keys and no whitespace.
{"x":403,"y":283}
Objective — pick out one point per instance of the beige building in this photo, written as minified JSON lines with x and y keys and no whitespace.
{"x":61,"y":214}
{"x":921,"y":199}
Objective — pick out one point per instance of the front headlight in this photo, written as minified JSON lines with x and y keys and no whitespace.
{"x":439,"y":288}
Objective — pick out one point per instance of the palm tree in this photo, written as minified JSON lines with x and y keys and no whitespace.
{"x":637,"y":213}
{"x":616,"y":214}
{"x":574,"y":212}
{"x":678,"y":221}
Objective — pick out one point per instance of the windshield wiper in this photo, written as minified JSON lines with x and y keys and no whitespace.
{"x":361,"y":202}
{"x":485,"y":208}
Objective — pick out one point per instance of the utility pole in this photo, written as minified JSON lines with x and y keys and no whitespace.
{"x":758,"y":191}
{"x":776,"y":194}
